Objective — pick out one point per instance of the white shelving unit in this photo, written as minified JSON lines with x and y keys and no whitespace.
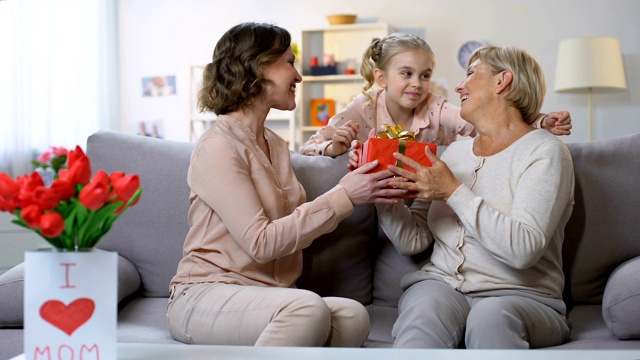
{"x":347,"y":43}
{"x":282,"y":122}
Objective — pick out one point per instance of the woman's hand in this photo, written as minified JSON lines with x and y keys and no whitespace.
{"x":364,"y":188}
{"x":342,"y":138}
{"x":433,"y":183}
{"x":557,"y":123}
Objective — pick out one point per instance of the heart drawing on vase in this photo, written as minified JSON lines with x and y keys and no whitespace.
{"x":67,"y":318}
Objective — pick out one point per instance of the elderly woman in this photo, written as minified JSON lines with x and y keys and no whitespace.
{"x":494,"y":209}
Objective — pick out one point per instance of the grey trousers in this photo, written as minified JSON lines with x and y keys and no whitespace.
{"x":432,"y":314}
{"x":227,"y":314}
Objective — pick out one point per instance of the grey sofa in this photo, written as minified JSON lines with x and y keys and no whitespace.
{"x":601,"y":250}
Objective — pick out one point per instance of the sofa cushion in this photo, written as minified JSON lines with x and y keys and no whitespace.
{"x":339,"y":263}
{"x":150,"y":234}
{"x":621,"y":301}
{"x":390,"y":266}
{"x":389,"y":269}
{"x":603,"y":229}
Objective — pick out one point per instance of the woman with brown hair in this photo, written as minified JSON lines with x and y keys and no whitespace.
{"x":249,"y":219}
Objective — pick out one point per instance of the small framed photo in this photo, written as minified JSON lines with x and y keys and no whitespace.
{"x":321,"y":111}
{"x":158,"y":86}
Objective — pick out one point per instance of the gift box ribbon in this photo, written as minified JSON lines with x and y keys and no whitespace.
{"x":397,"y":133}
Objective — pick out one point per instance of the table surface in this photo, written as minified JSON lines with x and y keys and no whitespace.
{"x":131,"y":351}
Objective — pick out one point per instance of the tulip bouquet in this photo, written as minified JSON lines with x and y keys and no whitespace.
{"x":75,"y":210}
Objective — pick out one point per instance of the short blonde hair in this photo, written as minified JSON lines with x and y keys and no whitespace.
{"x":528,"y":87}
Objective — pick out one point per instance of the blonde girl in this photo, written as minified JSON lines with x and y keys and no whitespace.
{"x":402,"y":66}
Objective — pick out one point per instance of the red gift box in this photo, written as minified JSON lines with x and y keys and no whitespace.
{"x":383,"y":149}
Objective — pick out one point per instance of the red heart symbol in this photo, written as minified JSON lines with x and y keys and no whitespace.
{"x":67,"y":318}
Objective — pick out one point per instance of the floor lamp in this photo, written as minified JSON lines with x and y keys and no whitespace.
{"x":588,"y":64}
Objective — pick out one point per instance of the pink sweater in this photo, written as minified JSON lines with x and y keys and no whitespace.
{"x":435,"y":121}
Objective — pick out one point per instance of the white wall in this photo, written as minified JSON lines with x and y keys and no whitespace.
{"x":165,"y":37}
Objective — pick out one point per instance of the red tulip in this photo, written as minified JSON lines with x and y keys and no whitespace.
{"x":102,"y":177}
{"x":51,"y":224}
{"x":116,"y":175}
{"x":30,"y":182}
{"x":7,"y":205}
{"x":127,"y":186}
{"x":46,"y":198}
{"x":74,"y":155}
{"x":31,"y":215}
{"x":63,"y":174}
{"x":8,"y":186}
{"x":64,"y":188}
{"x":80,"y":171}
{"x":94,"y":195}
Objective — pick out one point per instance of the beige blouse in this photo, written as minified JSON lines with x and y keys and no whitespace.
{"x":248,"y":220}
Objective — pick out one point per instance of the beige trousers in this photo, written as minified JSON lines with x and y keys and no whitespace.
{"x":227,"y":314}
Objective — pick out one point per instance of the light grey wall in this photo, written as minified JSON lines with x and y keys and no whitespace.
{"x":166,"y":37}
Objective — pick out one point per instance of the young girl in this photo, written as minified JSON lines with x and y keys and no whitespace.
{"x":402,"y":65}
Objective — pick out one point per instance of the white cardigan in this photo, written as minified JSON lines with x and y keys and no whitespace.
{"x":503,"y":228}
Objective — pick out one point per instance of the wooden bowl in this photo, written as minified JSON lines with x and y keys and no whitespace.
{"x":341,"y":19}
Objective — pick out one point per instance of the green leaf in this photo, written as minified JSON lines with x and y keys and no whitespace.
{"x":58,"y":163}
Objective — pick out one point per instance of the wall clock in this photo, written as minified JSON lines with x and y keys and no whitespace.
{"x":466,"y":49}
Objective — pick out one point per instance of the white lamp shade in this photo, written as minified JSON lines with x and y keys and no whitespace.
{"x":589,"y":63}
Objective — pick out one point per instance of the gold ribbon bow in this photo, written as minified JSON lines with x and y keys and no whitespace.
{"x":397,"y":133}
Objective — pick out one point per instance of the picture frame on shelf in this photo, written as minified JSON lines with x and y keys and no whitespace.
{"x":321,"y":111}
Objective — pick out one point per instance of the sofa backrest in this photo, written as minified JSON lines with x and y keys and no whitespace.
{"x":151,"y":234}
{"x":601,"y":234}
{"x":604,"y":229}
{"x":339,"y":263}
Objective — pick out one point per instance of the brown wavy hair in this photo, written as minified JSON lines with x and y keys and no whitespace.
{"x":234,"y":77}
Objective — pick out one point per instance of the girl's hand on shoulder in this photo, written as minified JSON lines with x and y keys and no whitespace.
{"x":557,"y":123}
{"x":363,"y":188}
{"x":436,"y":182}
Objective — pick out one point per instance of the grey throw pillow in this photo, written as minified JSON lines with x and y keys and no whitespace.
{"x":621,"y":300}
{"x":12,"y":297}
{"x":603,"y":230}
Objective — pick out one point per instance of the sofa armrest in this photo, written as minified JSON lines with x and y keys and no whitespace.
{"x":12,"y":297}
{"x":12,"y":291}
{"x":621,"y":300}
